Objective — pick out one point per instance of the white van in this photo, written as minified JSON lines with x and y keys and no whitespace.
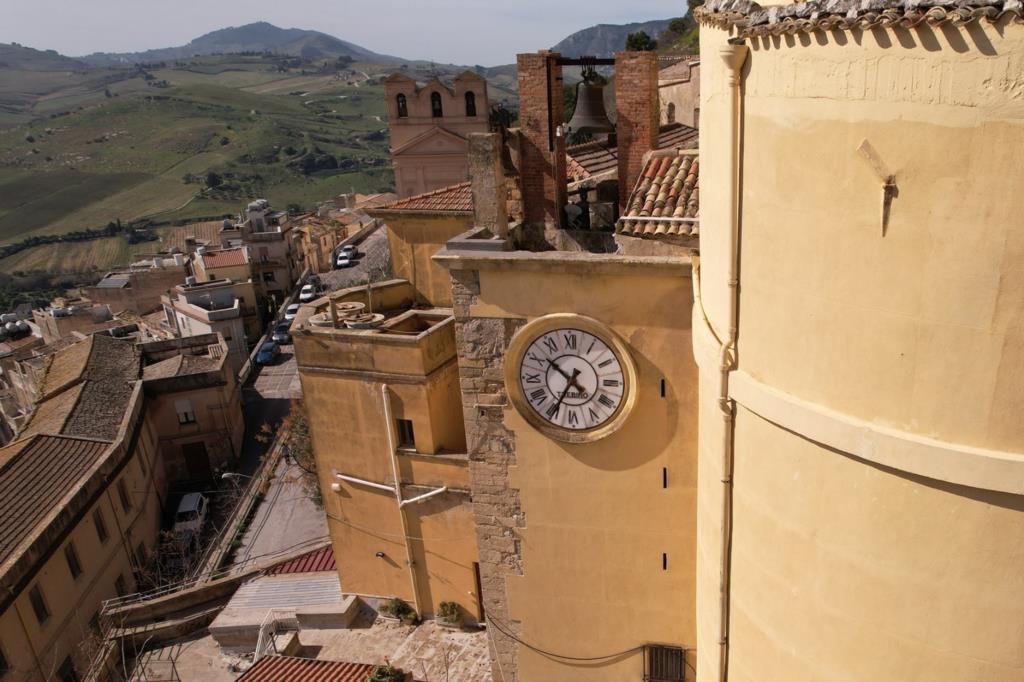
{"x":191,"y":514}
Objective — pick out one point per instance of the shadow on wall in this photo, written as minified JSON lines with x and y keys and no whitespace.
{"x":923,"y":36}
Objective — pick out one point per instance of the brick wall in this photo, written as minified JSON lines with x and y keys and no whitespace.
{"x":543,"y":152}
{"x":636,"y":106}
{"x":496,"y":507}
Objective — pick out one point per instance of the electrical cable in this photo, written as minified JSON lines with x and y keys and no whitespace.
{"x":551,"y":654}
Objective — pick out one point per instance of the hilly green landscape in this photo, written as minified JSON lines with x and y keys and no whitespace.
{"x":103,"y":154}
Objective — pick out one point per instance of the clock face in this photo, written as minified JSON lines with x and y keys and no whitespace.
{"x":572,"y":379}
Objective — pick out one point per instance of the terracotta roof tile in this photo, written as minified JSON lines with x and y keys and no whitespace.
{"x":35,"y":475}
{"x":666,"y":191}
{"x":593,"y":158}
{"x":452,"y":199}
{"x":289,"y":669}
{"x":66,"y":366}
{"x":225,"y":258}
{"x":317,"y":561}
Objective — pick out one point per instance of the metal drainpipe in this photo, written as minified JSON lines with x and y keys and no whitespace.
{"x":734,"y":54}
{"x":389,"y":424}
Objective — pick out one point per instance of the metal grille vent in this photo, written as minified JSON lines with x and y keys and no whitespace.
{"x":664,"y":664}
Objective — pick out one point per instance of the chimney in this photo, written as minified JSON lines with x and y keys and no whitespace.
{"x":542,"y":166}
{"x":490,"y":208}
{"x":636,"y":110}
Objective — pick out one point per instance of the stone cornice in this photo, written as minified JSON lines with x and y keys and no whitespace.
{"x":750,"y":19}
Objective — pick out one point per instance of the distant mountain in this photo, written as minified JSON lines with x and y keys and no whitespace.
{"x":604,"y":40}
{"x":258,"y":37}
{"x":14,"y":56}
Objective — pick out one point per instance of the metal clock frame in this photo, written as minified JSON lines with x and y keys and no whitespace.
{"x":542,"y":325}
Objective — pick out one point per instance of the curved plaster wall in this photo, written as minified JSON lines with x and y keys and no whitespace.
{"x":878,"y":509}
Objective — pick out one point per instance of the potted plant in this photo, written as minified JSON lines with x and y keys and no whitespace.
{"x":449,"y":615}
{"x":398,"y":609}
{"x":386,"y":673}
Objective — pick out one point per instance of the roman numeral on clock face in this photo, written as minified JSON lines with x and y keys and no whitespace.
{"x":538,"y":395}
{"x":574,"y":419}
{"x":605,"y":363}
{"x":551,"y":343}
{"x":531,"y":378}
{"x":552,"y":411}
{"x":570,"y":340}
{"x":606,"y":401}
{"x":610,"y":382}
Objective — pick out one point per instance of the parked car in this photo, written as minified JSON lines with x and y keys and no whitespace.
{"x":343,"y":261}
{"x":191,"y":515}
{"x":350,"y":250}
{"x":308,"y":293}
{"x":290,"y":312}
{"x":281,"y":333}
{"x":268,"y":352}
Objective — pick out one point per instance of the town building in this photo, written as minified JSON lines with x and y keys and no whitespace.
{"x":198,"y":309}
{"x":83,"y":485}
{"x":66,"y":315}
{"x":417,"y":227}
{"x":428,"y":124}
{"x":273,"y":261}
{"x":194,"y":401}
{"x":138,"y":287}
{"x":235,"y":264}
{"x":81,"y":491}
{"x":380,"y":384}
{"x":679,"y":91}
{"x":861,"y":476}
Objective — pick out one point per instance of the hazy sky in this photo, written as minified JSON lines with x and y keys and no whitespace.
{"x":456,"y":31}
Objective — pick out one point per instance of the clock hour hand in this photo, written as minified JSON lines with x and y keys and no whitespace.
{"x":572,"y":381}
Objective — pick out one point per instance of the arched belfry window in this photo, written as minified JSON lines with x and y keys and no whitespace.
{"x":403,"y":106}
{"x":671,"y":113}
{"x":470,"y":104}
{"x":435,"y":105}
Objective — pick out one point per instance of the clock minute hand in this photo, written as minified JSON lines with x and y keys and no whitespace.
{"x":559,"y":369}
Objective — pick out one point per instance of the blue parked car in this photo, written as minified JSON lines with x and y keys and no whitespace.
{"x":268,"y":352}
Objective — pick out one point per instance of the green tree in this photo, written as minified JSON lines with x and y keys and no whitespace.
{"x":213,"y":180}
{"x":640,"y":42}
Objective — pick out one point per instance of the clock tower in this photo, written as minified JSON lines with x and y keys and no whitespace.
{"x":579,"y":394}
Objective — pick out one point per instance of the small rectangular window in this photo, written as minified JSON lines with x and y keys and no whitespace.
{"x":101,"y":526}
{"x":122,"y":493}
{"x":268,"y":276}
{"x":664,"y":664}
{"x":186,"y":413}
{"x":35,"y":595}
{"x":120,"y":587}
{"x":74,"y":565}
{"x":406,"y":437}
{"x":66,"y":672}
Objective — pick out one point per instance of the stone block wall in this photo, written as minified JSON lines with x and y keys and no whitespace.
{"x":492,"y":450}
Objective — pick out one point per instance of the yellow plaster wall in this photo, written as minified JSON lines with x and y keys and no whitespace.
{"x":413,"y":240}
{"x":350,"y":436}
{"x":597,"y":516}
{"x":73,"y":602}
{"x":844,"y":570}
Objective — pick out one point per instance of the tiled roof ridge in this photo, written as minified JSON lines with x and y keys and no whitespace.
{"x":751,"y":19}
{"x":664,"y":202}
{"x":404,"y":204}
{"x":26,"y":441}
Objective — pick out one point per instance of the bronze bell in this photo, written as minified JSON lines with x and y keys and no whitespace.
{"x":590,"y":115}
